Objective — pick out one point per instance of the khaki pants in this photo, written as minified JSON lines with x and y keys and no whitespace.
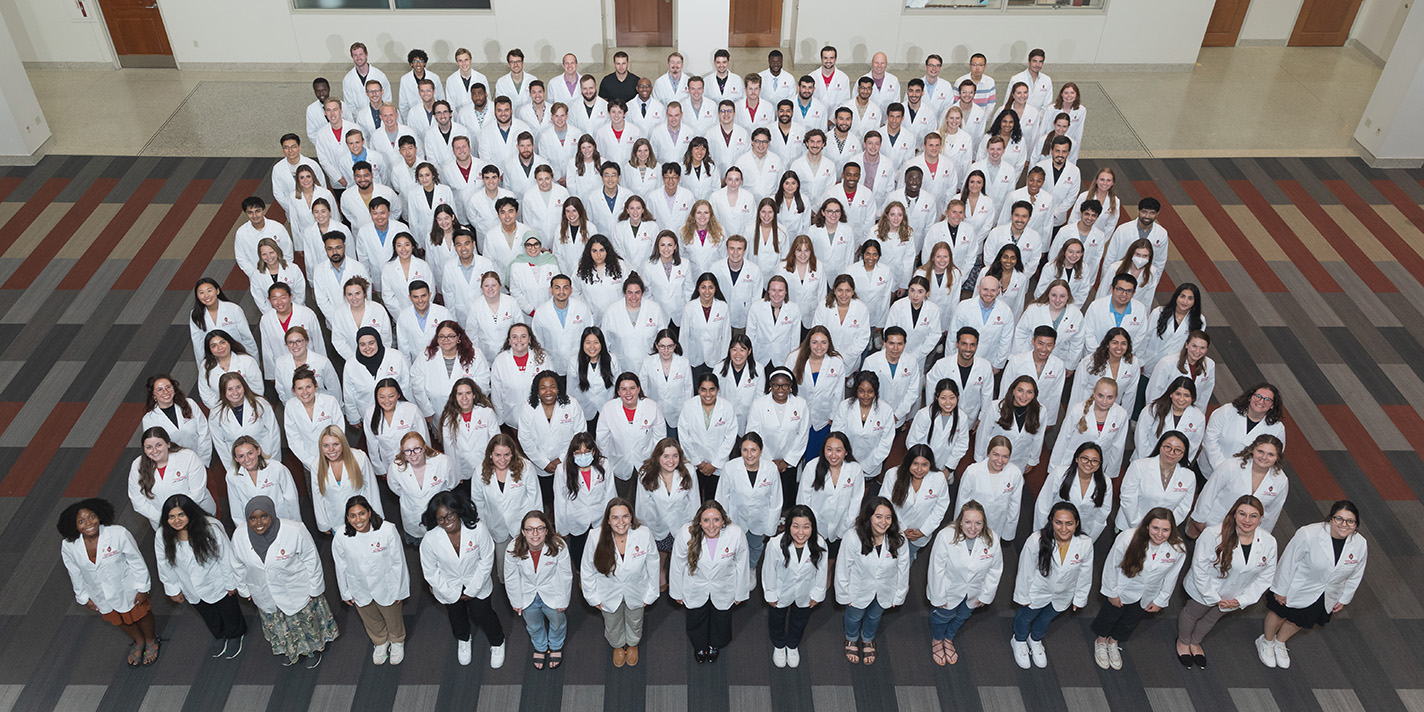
{"x":383,"y":623}
{"x":1196,"y":620}
{"x":624,"y":626}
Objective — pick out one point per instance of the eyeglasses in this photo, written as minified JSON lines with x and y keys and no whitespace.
{"x":1344,"y":522}
{"x":1124,"y":290}
{"x":1173,"y":449}
{"x":447,"y":337}
{"x":413,"y":450}
{"x":1090,"y":461}
{"x":1263,"y":399}
{"x":449,"y":517}
{"x":535,"y":530}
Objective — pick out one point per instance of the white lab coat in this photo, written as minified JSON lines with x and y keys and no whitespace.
{"x":328,"y":382}
{"x":923,"y":509}
{"x":246,"y":240}
{"x":440,"y":476}
{"x":881,"y":576}
{"x":753,"y":503}
{"x":635,"y":244}
{"x":1156,"y":581}
{"x":358,"y":392}
{"x":384,"y":442}
{"x":1165,"y":371}
{"x":191,"y":433}
{"x":184,"y":474}
{"x":824,"y":392}
{"x":116,"y":576}
{"x":431,"y":384}
{"x":1232,"y":480}
{"x":744,"y":293}
{"x":708,"y":439}
{"x":1226,"y":435}
{"x":370,"y":567}
{"x":667,"y":511}
{"x":999,"y":494}
{"x":1308,"y":570}
{"x":668,"y":287}
{"x":1069,"y":580}
{"x":551,"y":579}
{"x":773,"y":336}
{"x":1068,"y":347}
{"x":602,"y":290}
{"x":510,"y":384}
{"x":837,"y":503}
{"x":870,"y":436}
{"x":705,"y":337}
{"x":562,"y":339}
{"x":231,"y":319}
{"x":1111,"y":439}
{"x":834,"y":252}
{"x":545,"y":439}
{"x":290,"y":576}
{"x":330,"y":507}
{"x":1125,"y":235}
{"x":466,"y":440}
{"x":207,"y":582}
{"x":1026,"y":446}
{"x":396,"y":297}
{"x":784,"y":429}
{"x":303,"y":429}
{"x":741,"y":392}
{"x":1191,"y":423}
{"x":630,"y":443}
{"x":502,"y":509}
{"x":670,"y":387}
{"x":1098,"y":319}
{"x":958,"y":573}
{"x":237,"y":363}
{"x":900,"y":388}
{"x":575,"y":512}
{"x":487,"y":327}
{"x":1246,"y":581}
{"x":1085,"y":380}
{"x":723,"y":575}
{"x":948,"y":443}
{"x":1049,"y":380}
{"x":344,"y":328}
{"x":788,"y":580}
{"x":921,"y":334}
{"x":807,"y":292}
{"x":1092,"y":519}
{"x":975,"y":391}
{"x":274,"y":345}
{"x":465,"y":571}
{"x":634,"y":579}
{"x":274,"y":480}
{"x":996,"y":333}
{"x":1142,"y":490}
{"x":630,"y":338}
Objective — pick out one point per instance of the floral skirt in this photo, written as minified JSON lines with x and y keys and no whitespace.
{"x":304,"y":633}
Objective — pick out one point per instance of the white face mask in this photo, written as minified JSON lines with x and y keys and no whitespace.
{"x":583,"y":459}
{"x":1139,"y":261}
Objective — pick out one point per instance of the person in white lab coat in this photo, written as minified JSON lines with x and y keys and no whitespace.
{"x":505,"y":489}
{"x":371,"y":577}
{"x":630,"y":425}
{"x":1112,"y":358}
{"x":707,"y":429}
{"x":194,"y":557}
{"x":489,"y":312}
{"x":372,"y":363}
{"x":774,"y":323}
{"x":547,"y":420}
{"x":1257,"y":470}
{"x":1139,"y":576}
{"x":273,"y":269}
{"x":1100,"y":420}
{"x":991,"y":317}
{"x":869,"y":423}
{"x":164,"y":469}
{"x":213,"y":311}
{"x":821,"y":373}
{"x":966,"y":564}
{"x":619,"y":576}
{"x":222,"y":356}
{"x":784,"y":417}
{"x":1191,"y":362}
{"x":1121,"y":311}
{"x":279,"y":569}
{"x":108,"y":573}
{"x":1257,"y":411}
{"x":387,"y":420}
{"x":997,"y":485}
{"x":1233,"y":564}
{"x":168,"y":407}
{"x":512,"y":372}
{"x":306,"y":414}
{"x":257,"y":473}
{"x":872,"y":576}
{"x":1017,"y":416}
{"x":1082,"y":484}
{"x":467,"y":421}
{"x":416,"y":474}
{"x":250,"y":233}
{"x":1306,"y":572}
{"x":846,"y":319}
{"x":539,"y":580}
{"x":832,"y":485}
{"x":710,"y":573}
{"x":1171,"y":324}
{"x":443,"y":360}
{"x":794,"y":577}
{"x":751,"y":490}
{"x":943,"y":427}
{"x":1174,"y":409}
{"x":457,"y":556}
{"x":1158,"y":478}
{"x":669,"y":496}
{"x":919,"y":492}
{"x":1055,"y":575}
{"x":341,"y":472}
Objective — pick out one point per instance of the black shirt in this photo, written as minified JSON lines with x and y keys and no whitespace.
{"x":610,"y":88}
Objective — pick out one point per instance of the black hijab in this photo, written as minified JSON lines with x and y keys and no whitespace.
{"x":372,"y":363}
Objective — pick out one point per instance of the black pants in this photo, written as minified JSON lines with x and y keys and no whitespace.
{"x":546,"y":488}
{"x":627,"y":489}
{"x":707,"y":485}
{"x":576,"y":543}
{"x":1118,"y":622}
{"x":788,"y":488}
{"x":708,"y":627}
{"x":224,"y":618}
{"x":478,"y":610}
{"x":786,"y":625}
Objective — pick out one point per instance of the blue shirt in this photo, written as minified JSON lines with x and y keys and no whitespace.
{"x":563,"y":314}
{"x":611,"y":200}
{"x":984,"y":311}
{"x":1118,"y":316}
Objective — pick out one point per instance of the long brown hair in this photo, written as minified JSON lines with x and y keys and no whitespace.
{"x":650,"y":474}
{"x":1099,"y":361}
{"x":882,"y":228}
{"x":1229,"y":538}
{"x":247,"y":395}
{"x":605,"y":558}
{"x":790,"y":264}
{"x":180,"y":399}
{"x":1006,"y":407}
{"x":146,"y":467}
{"x":450,"y":416}
{"x":714,"y":228}
{"x":1135,"y":558}
{"x":553,"y":543}
{"x":349,"y":466}
{"x":516,"y":459}
{"x":694,"y":545}
{"x":803,"y":352}
{"x":927,"y":269}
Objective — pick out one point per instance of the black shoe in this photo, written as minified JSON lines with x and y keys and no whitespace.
{"x":701,"y":655}
{"x":1186,"y":661}
{"x":711,"y":655}
{"x":234,"y":649}
{"x":1200,"y":660}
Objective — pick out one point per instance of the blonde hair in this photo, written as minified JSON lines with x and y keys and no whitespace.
{"x":1088,"y":404}
{"x":714,"y":228}
{"x":349,"y":466}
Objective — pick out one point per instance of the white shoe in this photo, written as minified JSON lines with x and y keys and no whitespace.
{"x":1114,"y":656}
{"x":1100,"y":655}
{"x":462,"y":651}
{"x":793,"y":657}
{"x":778,"y":657}
{"x":379,"y":654}
{"x":1282,"y":655}
{"x":1040,"y":655}
{"x":1267,"y":651}
{"x":1021,"y":654}
{"x":497,"y":656}
{"x":397,"y":653}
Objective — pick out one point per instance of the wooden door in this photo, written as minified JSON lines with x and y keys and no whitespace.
{"x":755,"y":23}
{"x":1324,"y":23}
{"x":137,"y":31}
{"x":1225,"y":23}
{"x":643,"y":23}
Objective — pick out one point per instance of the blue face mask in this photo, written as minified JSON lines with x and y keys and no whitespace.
{"x":583,"y":459}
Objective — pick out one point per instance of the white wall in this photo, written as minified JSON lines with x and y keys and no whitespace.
{"x":22,"y":125}
{"x":1390,"y":127}
{"x":1270,"y":20}
{"x":1377,"y":26}
{"x":45,"y":31}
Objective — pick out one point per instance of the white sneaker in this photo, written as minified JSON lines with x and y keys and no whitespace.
{"x":1282,"y":655}
{"x":1266,"y":650}
{"x":793,"y":657}
{"x":1021,"y":654}
{"x":462,"y":651}
{"x":1114,"y":656}
{"x":1040,"y":655}
{"x":379,"y":654}
{"x":1100,"y":655}
{"x":397,"y":653}
{"x":497,"y":656}
{"x":778,"y":657}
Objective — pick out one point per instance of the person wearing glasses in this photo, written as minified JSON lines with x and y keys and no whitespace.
{"x":1122,"y":308}
{"x":1256,"y":412}
{"x":1317,"y":575}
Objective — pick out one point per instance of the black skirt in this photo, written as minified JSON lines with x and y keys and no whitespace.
{"x":1303,"y":618}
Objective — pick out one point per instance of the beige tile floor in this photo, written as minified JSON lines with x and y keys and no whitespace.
{"x":1243,"y":101}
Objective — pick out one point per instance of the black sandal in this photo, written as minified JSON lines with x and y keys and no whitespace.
{"x":556,"y":658}
{"x":150,"y":649}
{"x":538,"y":660}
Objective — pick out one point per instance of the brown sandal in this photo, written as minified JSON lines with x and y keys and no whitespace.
{"x":852,"y":652}
{"x":135,"y":655}
{"x":937,"y":653}
{"x":869,"y":648}
{"x":150,"y":653}
{"x":950,"y":652}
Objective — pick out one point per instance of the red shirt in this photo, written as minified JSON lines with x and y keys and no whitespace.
{"x":521,"y":361}
{"x":629,"y":414}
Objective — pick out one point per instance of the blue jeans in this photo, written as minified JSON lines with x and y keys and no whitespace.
{"x":536,"y":616}
{"x":1033,"y":622}
{"x":945,"y":622}
{"x":756,"y":544}
{"x":862,"y":623}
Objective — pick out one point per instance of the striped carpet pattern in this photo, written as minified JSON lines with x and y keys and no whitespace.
{"x":1314,"y":277}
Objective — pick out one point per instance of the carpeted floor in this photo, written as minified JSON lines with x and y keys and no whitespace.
{"x":1313,"y":273}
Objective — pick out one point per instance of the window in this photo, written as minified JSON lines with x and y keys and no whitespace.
{"x":391,"y":4}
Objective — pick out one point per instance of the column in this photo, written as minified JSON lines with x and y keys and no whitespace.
{"x":700,"y":27}
{"x":1388,"y":135}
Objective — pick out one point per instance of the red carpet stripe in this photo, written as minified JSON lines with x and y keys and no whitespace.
{"x":1399,"y":200}
{"x":1367,"y":453}
{"x":36,"y":456}
{"x":222,"y":224}
{"x":60,"y":235}
{"x":8,"y":411}
{"x":152,"y":249}
{"x":1343,"y":243}
{"x":1307,"y":465}
{"x":1377,"y":226}
{"x":1279,"y":231}
{"x":1240,"y":245}
{"x":8,"y":186}
{"x":31,"y":210}
{"x":112,"y":234}
{"x":104,"y":456}
{"x":1182,"y":240}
